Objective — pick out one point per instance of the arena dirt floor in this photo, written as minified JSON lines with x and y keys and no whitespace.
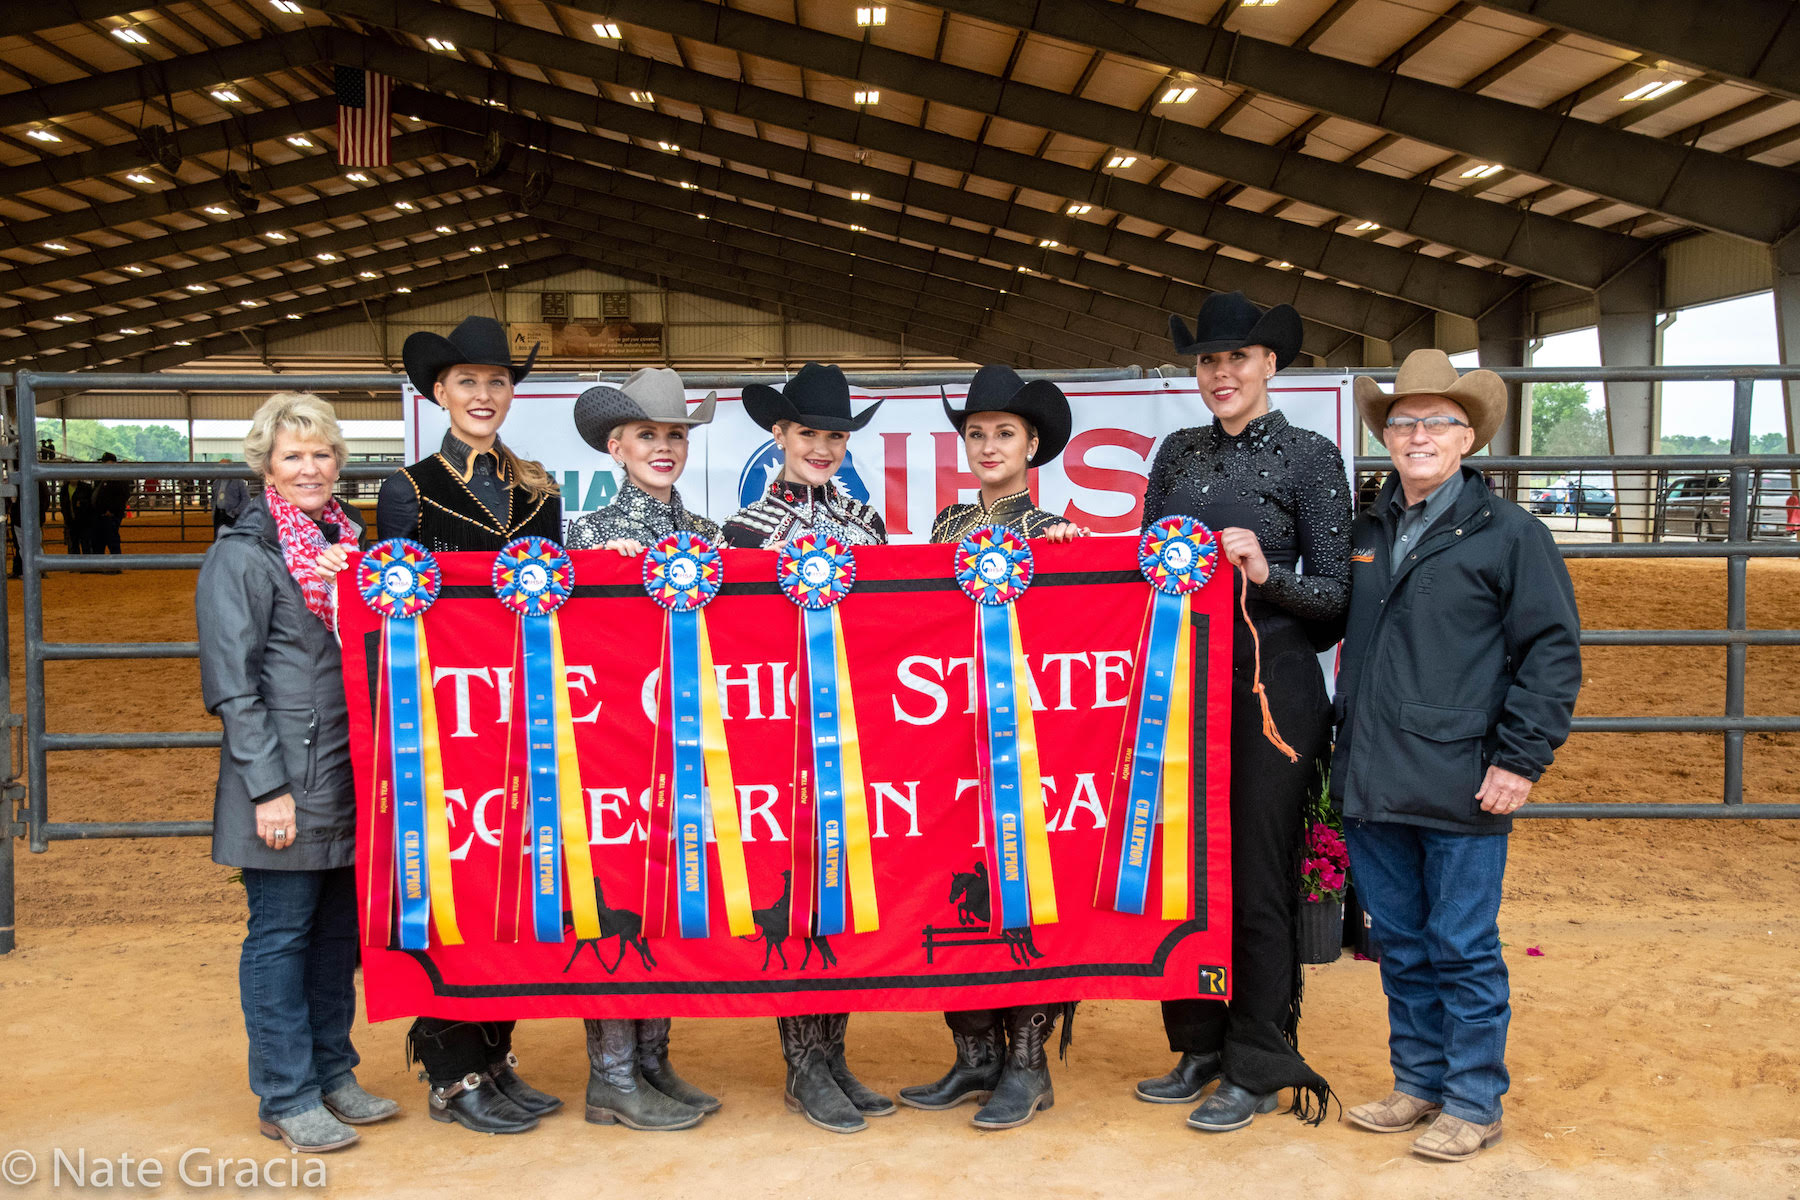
{"x":1655,"y":969}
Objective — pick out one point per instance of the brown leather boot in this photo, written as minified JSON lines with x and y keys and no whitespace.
{"x":1452,"y":1139}
{"x":1396,"y":1114}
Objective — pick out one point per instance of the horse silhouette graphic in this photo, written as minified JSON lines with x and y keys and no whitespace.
{"x":772,"y":930}
{"x":970,"y":893}
{"x":619,"y":923}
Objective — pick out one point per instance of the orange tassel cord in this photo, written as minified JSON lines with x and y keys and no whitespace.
{"x":1262,"y":693}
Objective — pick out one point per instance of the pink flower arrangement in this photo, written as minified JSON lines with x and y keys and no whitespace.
{"x":1325,"y":867}
{"x":1323,"y":870}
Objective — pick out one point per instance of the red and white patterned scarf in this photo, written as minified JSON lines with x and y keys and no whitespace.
{"x":302,"y":541}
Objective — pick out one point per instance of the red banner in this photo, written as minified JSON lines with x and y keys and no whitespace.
{"x":910,"y":638}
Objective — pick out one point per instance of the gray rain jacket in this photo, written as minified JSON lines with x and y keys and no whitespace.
{"x":272,"y":672}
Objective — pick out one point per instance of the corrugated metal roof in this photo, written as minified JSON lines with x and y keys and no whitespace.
{"x":1255,"y":162}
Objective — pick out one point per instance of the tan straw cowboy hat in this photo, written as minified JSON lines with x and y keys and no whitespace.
{"x":1481,"y":394}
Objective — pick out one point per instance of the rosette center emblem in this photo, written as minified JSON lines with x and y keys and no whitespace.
{"x":683,"y":572}
{"x":398,"y":578}
{"x":533,"y":576}
{"x":993,"y":565}
{"x":1178,"y":555}
{"x":815,"y":571}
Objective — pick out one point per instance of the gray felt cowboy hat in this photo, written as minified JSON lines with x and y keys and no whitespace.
{"x":649,"y":394}
{"x":1427,"y":372}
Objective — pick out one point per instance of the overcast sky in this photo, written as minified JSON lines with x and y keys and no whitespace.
{"x":1731,"y":332}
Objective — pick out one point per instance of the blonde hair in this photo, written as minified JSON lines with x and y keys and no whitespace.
{"x":299,"y":414}
{"x":527,"y":473}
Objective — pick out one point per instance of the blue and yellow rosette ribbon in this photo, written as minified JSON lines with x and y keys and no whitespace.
{"x":831,"y":818}
{"x":994,"y":567}
{"x":533,"y":576}
{"x":683,"y":573}
{"x":1177,"y":555}
{"x":399,"y":579}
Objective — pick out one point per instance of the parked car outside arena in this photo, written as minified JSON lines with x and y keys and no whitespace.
{"x":1581,"y":496}
{"x":1697,"y":506}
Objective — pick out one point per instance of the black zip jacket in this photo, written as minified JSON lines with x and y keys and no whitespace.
{"x":1469,"y":654}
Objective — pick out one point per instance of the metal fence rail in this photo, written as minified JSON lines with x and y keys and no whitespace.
{"x":25,"y":808}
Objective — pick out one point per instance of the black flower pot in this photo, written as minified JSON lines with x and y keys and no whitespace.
{"x":1321,"y":931}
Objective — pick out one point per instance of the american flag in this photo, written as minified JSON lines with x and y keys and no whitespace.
{"x":363,"y":117}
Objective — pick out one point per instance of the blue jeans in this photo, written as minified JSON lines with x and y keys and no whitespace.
{"x":1433,"y":901}
{"x":297,"y":982}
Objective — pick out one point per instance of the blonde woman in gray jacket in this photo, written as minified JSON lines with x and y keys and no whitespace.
{"x":284,"y":811}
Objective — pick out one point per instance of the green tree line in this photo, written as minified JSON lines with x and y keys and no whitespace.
{"x":88,"y":440}
{"x":1563,"y":424}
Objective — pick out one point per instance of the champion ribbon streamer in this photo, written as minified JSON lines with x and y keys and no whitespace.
{"x":399,"y":579}
{"x":1177,"y":555}
{"x":533,"y":577}
{"x":683,"y":573}
{"x":994,"y":567}
{"x":831,"y":817}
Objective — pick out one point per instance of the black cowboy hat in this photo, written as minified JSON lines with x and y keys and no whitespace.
{"x":1228,"y":321}
{"x":478,"y":340}
{"x":817,"y":397}
{"x":999,"y":389}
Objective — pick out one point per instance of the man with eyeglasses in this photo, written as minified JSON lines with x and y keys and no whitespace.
{"x":1460,"y":668}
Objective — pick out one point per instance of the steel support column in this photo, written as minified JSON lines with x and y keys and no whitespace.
{"x":1629,"y":305}
{"x":1500,"y":344}
{"x":1784,"y":258}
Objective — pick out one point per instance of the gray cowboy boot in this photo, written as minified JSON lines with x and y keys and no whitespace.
{"x":1024,"y":1085}
{"x":617,"y":1093}
{"x":806,"y":1043}
{"x":868,"y":1101}
{"x":353,"y":1106}
{"x":653,"y":1063}
{"x":980,"y":1039}
{"x":313,"y":1131}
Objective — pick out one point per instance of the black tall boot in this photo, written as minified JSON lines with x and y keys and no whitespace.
{"x":807,"y":1044}
{"x":1024,"y":1085}
{"x":980,"y":1039}
{"x":454,"y":1055}
{"x":868,"y":1101}
{"x":505,"y":1074}
{"x":1185,"y":1080}
{"x":617,"y":1092}
{"x":653,"y":1063}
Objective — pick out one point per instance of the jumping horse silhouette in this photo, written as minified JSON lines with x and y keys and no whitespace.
{"x":772,"y":930}
{"x":621,"y":923}
{"x":969,"y":892}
